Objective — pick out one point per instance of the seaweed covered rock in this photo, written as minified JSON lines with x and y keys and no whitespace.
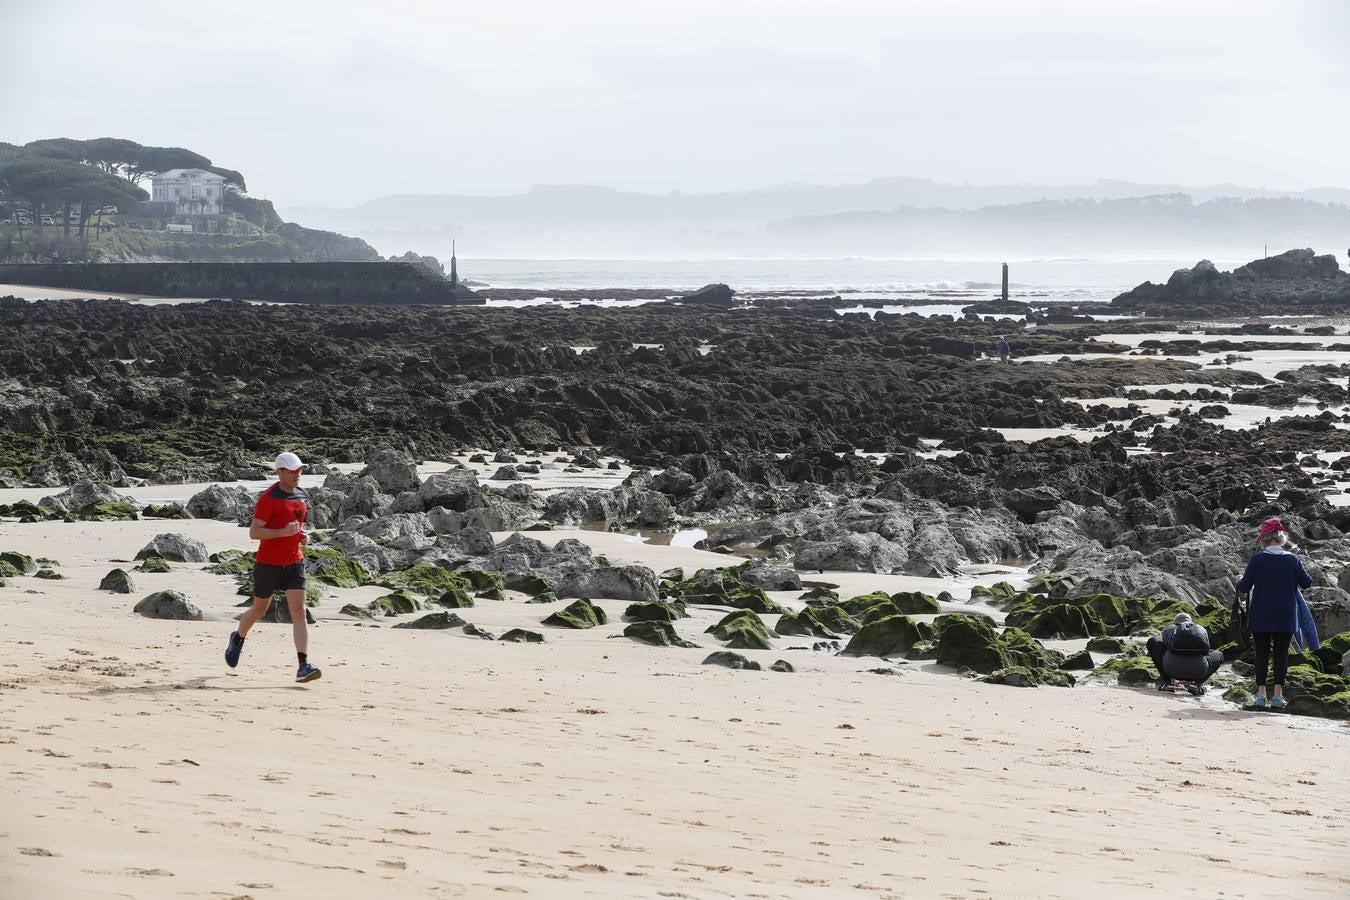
{"x":1022,"y":676}
{"x":425,"y":578}
{"x":231,"y":562}
{"x":13,"y":563}
{"x":818,"y":621}
{"x":820,"y":595}
{"x":893,"y":635}
{"x":521,"y":636}
{"x":1080,"y":661}
{"x":398,"y":603}
{"x":118,"y":581}
{"x":437,"y":620}
{"x":730,"y":660}
{"x":339,"y":572}
{"x":175,"y":547}
{"x":455,"y":598}
{"x":359,"y":612}
{"x":915,"y":603}
{"x":782,"y":665}
{"x":972,"y":643}
{"x":579,"y":614}
{"x":656,"y":611}
{"x":165,"y":511}
{"x":742,"y":630}
{"x":1128,"y":670}
{"x":169,"y":605}
{"x":155,"y":565}
{"x":1112,"y":645}
{"x":661,"y":634}
{"x":722,"y":587}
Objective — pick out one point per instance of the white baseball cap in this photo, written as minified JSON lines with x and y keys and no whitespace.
{"x":288,"y":460}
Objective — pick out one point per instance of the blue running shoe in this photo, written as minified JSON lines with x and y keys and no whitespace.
{"x":307,"y":673}
{"x":236,"y":646}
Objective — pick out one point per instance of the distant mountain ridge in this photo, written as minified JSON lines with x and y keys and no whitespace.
{"x":583,"y":219}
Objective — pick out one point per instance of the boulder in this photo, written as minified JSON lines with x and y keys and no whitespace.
{"x":117,"y":581}
{"x":169,"y":605}
{"x":175,"y":547}
{"x":156,"y":565}
{"x":771,"y":577}
{"x":365,"y":499}
{"x":223,"y":504}
{"x":634,"y":584}
{"x":455,"y":490}
{"x":84,"y":494}
{"x":782,"y":665}
{"x":851,"y":553}
{"x":393,"y":470}
{"x":12,"y":563}
{"x":822,"y":622}
{"x":656,"y":611}
{"x":719,"y":295}
{"x":505,"y":473}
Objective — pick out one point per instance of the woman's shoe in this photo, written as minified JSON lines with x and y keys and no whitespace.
{"x":1277,"y":703}
{"x":1259,"y":702}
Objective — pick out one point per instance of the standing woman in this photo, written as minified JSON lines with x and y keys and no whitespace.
{"x":1274,"y":576}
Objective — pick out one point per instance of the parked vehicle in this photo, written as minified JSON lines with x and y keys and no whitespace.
{"x":48,"y":220}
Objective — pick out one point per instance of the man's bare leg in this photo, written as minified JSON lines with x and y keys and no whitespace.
{"x":255,"y":612}
{"x":295,"y":601}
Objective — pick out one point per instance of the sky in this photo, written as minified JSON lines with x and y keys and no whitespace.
{"x":334,"y":103}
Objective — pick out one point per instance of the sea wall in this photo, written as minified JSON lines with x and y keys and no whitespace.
{"x":347,"y":283}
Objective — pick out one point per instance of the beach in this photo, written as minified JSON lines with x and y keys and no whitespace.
{"x":436,"y":764}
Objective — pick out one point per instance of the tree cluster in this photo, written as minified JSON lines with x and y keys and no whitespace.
{"x":65,"y":174}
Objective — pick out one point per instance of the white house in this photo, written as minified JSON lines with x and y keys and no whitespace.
{"x":195,"y":192}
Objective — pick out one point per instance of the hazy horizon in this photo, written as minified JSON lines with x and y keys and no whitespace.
{"x":324,"y":109}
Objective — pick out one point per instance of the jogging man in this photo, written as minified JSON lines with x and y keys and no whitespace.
{"x":278,"y":527}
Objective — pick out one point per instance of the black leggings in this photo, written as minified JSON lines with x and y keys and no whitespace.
{"x":1264,"y":641}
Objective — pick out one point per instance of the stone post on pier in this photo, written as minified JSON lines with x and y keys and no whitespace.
{"x":1005,"y":282}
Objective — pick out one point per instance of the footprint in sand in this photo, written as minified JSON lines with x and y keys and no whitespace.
{"x":37,"y":851}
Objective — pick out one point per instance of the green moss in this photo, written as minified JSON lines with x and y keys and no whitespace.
{"x":891,"y":636}
{"x":48,"y":574}
{"x":1238,"y":694}
{"x":742,"y":630}
{"x":660,"y":634}
{"x":1110,"y":645}
{"x":1333,"y":649}
{"x":994,"y":594}
{"x":118,"y":581}
{"x":966,"y":642}
{"x":578,"y":614}
{"x":782,"y":665}
{"x":859,"y":606}
{"x":482,"y":581}
{"x":822,"y":622}
{"x":29,"y":512}
{"x":530,"y":585}
{"x":1080,"y":661}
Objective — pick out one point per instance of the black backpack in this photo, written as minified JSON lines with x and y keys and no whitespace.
{"x":1189,"y":639}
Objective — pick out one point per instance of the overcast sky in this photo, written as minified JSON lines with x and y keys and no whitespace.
{"x":338,"y":102}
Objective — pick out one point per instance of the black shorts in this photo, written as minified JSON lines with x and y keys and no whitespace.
{"x":267,"y":579}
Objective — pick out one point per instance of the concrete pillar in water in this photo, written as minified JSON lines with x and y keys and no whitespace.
{"x":1005,"y":282}
{"x":454,"y":267}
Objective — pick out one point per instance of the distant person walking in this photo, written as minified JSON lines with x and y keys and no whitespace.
{"x":278,"y":527}
{"x":1274,"y":576}
{"x":1003,"y":349}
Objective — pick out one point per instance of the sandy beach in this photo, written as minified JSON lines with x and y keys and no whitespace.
{"x":435,"y":764}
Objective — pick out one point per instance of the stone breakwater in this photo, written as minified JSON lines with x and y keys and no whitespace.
{"x":352,"y":283}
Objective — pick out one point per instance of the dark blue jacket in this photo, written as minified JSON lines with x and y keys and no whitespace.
{"x":1274,"y":580}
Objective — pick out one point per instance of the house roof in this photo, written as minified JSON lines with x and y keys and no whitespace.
{"x":189,"y":173}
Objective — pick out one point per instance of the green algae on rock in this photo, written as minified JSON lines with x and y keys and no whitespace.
{"x":656,"y":611}
{"x":521,"y":636}
{"x":13,"y":563}
{"x":893,"y":635}
{"x":118,"y":581}
{"x":153,"y":564}
{"x":437,"y":620}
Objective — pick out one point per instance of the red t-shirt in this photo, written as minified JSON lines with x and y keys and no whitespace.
{"x":275,"y":508}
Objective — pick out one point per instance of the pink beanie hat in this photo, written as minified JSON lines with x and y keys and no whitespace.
{"x":1269,"y":527}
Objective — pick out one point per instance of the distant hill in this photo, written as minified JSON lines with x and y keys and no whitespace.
{"x":888,"y":215}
